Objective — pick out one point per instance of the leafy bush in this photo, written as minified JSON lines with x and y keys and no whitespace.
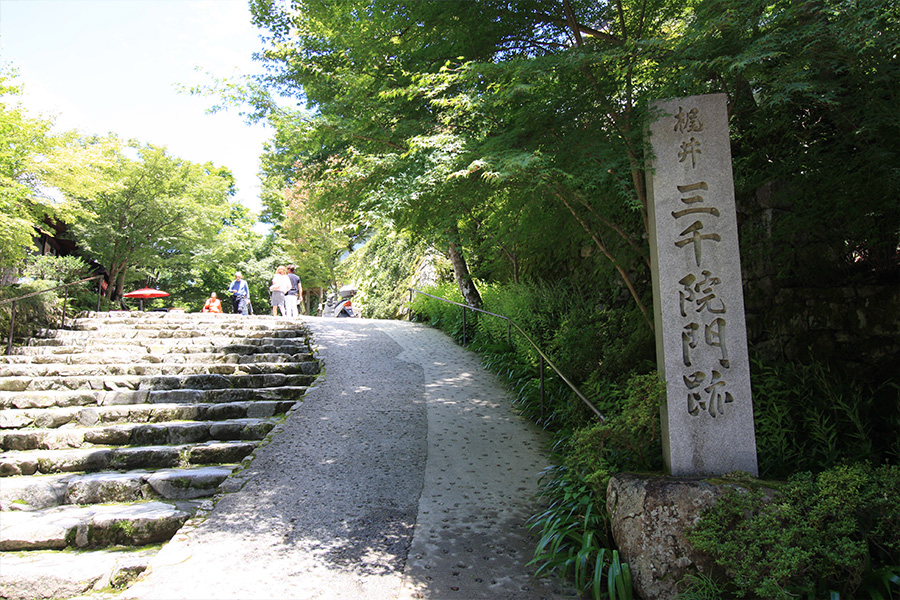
{"x":698,"y":586}
{"x":582,"y":336}
{"x":836,"y":532}
{"x":446,"y":317}
{"x":381,"y":270}
{"x":629,"y":439}
{"x":61,"y":269}
{"x":32,"y":314}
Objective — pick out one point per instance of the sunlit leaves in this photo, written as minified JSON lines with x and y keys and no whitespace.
{"x":135,"y":205}
{"x":22,"y":141}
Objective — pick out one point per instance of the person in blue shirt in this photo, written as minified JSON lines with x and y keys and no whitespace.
{"x":240,"y":294}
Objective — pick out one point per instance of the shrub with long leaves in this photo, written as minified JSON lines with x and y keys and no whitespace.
{"x":809,"y":417}
{"x":575,"y":540}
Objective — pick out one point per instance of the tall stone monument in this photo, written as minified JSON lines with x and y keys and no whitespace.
{"x":701,"y":338}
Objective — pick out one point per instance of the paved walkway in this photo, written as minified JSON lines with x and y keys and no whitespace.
{"x":404,"y":474}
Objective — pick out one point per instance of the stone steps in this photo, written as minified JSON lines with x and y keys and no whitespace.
{"x":132,"y":340}
{"x":126,"y":342}
{"x":249,"y":355}
{"x":93,"y":526}
{"x":48,"y":491}
{"x":136,"y":434}
{"x":27,"y":370}
{"x":50,"y":574}
{"x":116,"y":431}
{"x":99,"y":458}
{"x":69,"y":398}
{"x":204,"y":381}
{"x":50,"y":418}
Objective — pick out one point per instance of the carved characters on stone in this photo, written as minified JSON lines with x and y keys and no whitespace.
{"x":698,"y":301}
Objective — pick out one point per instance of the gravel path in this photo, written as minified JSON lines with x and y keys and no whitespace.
{"x":403,"y":474}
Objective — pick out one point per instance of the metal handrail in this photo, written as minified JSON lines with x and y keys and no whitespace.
{"x":511,"y":323}
{"x":12,"y":318}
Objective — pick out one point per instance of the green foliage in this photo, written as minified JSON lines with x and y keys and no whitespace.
{"x":22,"y":140}
{"x":46,"y":272}
{"x":629,"y":439}
{"x":210,"y":267}
{"x":444,"y":316}
{"x":151,"y":213}
{"x":700,"y":587}
{"x":809,"y":417}
{"x":318,"y":241}
{"x":581,"y":334}
{"x":58,"y":270}
{"x":32,"y":314}
{"x":383,"y":270}
{"x":834,"y":532}
{"x":575,"y":539}
{"x":811,"y":89}
{"x":61,"y":269}
{"x":502,"y":128}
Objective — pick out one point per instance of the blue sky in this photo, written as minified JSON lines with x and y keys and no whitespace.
{"x":103,"y":66}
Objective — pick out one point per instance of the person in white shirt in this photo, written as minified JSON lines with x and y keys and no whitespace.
{"x":280,"y":285}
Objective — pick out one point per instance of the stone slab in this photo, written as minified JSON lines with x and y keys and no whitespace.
{"x":90,"y":526}
{"x":185,"y":484}
{"x":38,"y":575}
{"x":701,"y":337}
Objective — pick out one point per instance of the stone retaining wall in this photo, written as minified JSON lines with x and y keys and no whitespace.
{"x":804,"y":301}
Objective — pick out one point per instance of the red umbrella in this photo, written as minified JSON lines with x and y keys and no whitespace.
{"x":144,"y":293}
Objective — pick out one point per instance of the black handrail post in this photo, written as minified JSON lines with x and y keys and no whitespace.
{"x":464,"y":326}
{"x":12,"y":324}
{"x":99,"y":295}
{"x":62,"y":322}
{"x":542,"y":387}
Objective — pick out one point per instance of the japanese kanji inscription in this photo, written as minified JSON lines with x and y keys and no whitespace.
{"x":701,"y":335}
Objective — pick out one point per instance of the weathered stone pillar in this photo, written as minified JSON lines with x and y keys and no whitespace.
{"x":701,"y":338}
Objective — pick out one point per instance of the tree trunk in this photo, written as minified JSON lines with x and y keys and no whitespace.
{"x":117,"y":280}
{"x":461,"y":273}
{"x":110,"y":292}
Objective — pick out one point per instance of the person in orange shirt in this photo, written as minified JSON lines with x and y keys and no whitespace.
{"x":213,"y":304}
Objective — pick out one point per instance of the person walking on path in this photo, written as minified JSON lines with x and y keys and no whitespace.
{"x":213,"y":304}
{"x":240,"y":294}
{"x":403,"y":474}
{"x":295,"y":294}
{"x":280,"y":286}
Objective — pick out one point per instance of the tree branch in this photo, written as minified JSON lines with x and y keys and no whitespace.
{"x":622,"y":273}
{"x":366,"y":138}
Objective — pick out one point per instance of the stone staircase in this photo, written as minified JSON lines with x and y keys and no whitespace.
{"x":113,"y":433}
